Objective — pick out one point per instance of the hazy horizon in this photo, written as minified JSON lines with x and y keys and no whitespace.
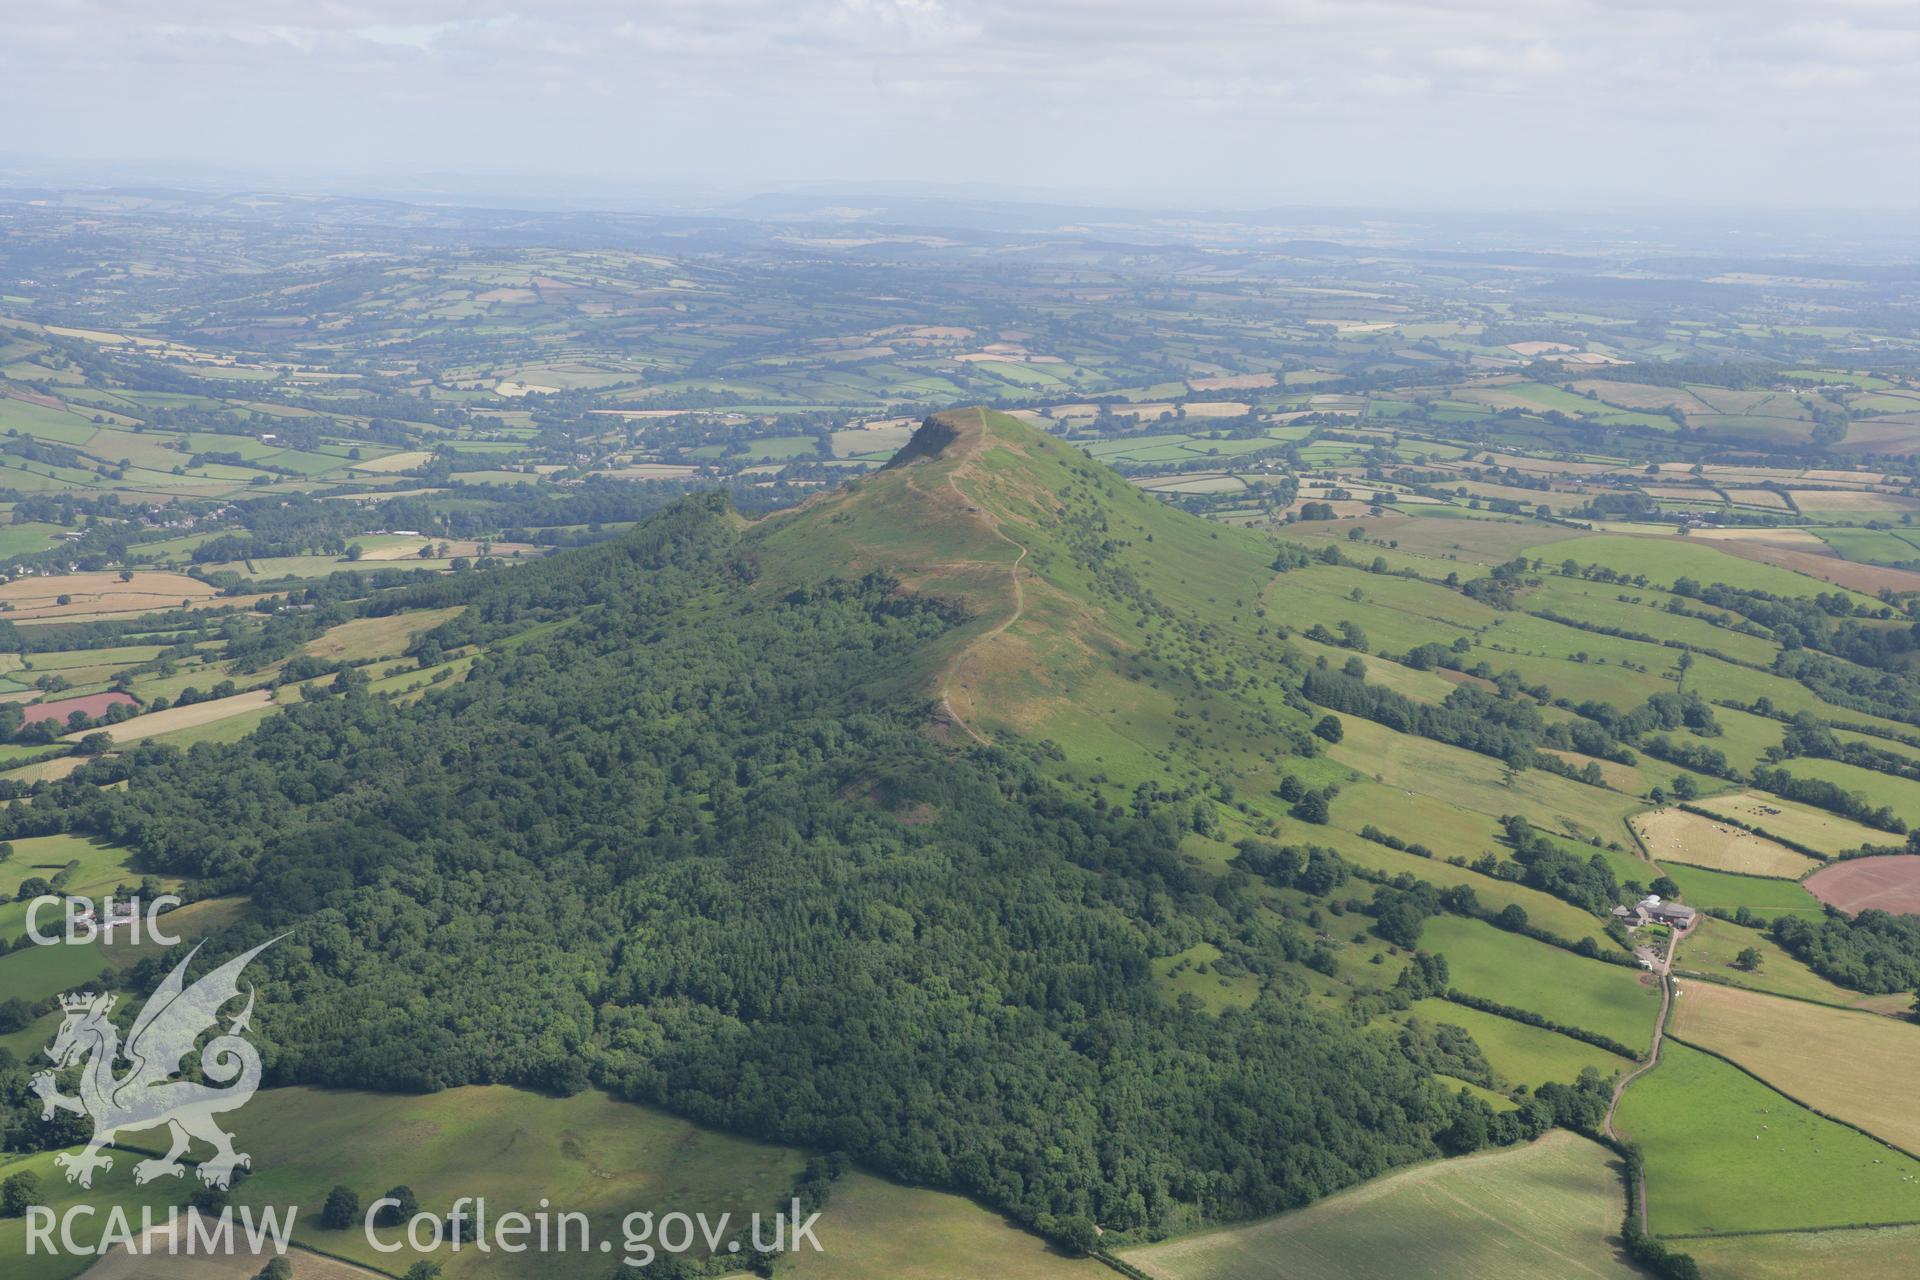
{"x":1221,"y":104}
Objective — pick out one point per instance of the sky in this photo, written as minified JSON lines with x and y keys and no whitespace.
{"x":1214,"y":103}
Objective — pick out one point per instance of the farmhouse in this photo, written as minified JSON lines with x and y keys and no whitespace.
{"x":1651,"y":910}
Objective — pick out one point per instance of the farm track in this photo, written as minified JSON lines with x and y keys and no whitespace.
{"x":1019,"y":607}
{"x":1653,"y":1060}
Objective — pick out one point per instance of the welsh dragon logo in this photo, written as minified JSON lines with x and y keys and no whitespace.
{"x":147,"y":1095}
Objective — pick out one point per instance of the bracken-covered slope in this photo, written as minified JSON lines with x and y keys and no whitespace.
{"x":1099,"y":618}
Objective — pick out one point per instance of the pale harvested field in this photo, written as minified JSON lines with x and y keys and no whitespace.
{"x":1803,"y":824}
{"x":46,"y":770}
{"x":1769,"y":498}
{"x":1775,"y":537}
{"x":1683,"y":493}
{"x":376,"y":637}
{"x":1674,"y":835}
{"x":1231,"y":382}
{"x":157,"y":722}
{"x":1859,"y":1067}
{"x":1811,"y":500}
{"x":395,"y":462}
{"x":1341,"y":510}
{"x":1217,"y":409}
{"x":410,"y":550}
{"x":94,"y":593}
{"x":1749,"y":477}
{"x":1864,"y":578}
{"x":652,"y":471}
{"x":1832,"y":476}
{"x":1550,"y":466}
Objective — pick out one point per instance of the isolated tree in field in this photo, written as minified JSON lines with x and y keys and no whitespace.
{"x":1311,"y":807}
{"x":276,"y":1269}
{"x":17,"y":1193}
{"x":1684,"y":787}
{"x":1330,"y":728}
{"x":1748,"y":960}
{"x":341,"y":1210}
{"x":408,"y":1205}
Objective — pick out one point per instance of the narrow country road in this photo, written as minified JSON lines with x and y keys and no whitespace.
{"x":1665,"y":970}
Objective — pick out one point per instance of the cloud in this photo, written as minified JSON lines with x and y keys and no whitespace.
{"x":1214,"y":95}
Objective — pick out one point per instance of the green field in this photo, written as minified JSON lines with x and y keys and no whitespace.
{"x":101,"y":865}
{"x":1726,"y":1153}
{"x":1765,"y":896}
{"x":1518,"y":1053}
{"x":588,"y":1153}
{"x":102,"y":868}
{"x":1899,"y":794}
{"x":113,"y":1187}
{"x":1189,"y":973}
{"x":18,"y":539}
{"x":1550,"y":1210}
{"x":1887,"y":1254}
{"x":1561,"y":918}
{"x":1458,"y":779}
{"x":39,"y":973}
{"x":1565,"y":988}
{"x":1663,"y":560}
{"x":1712,"y":946}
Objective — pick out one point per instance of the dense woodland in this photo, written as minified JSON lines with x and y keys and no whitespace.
{"x":677,"y":848}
